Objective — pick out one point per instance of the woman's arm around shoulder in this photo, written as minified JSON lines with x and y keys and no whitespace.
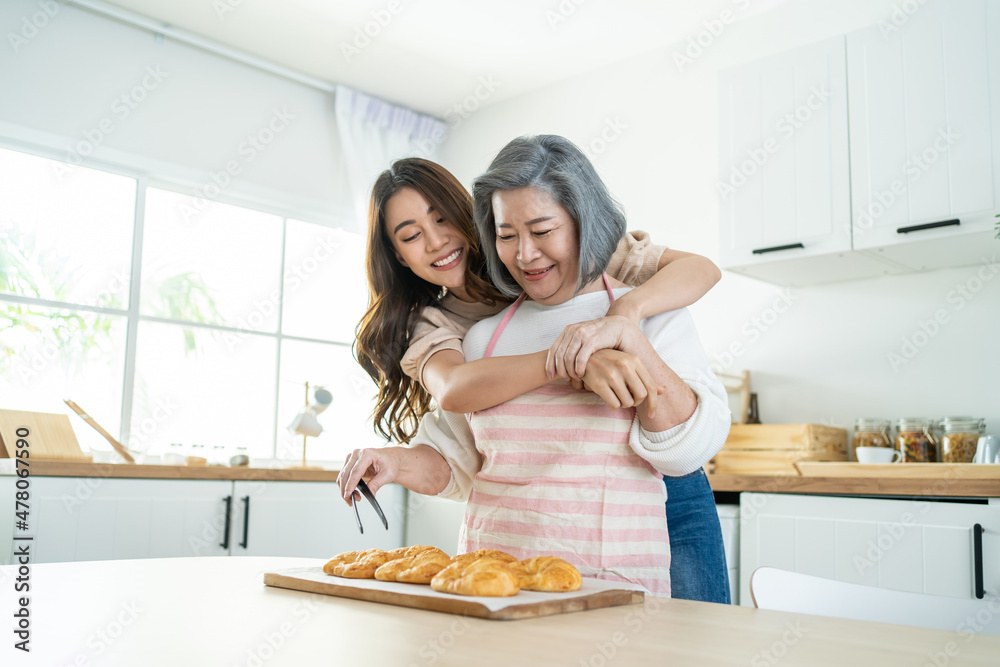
{"x":460,"y":386}
{"x":681,"y":279}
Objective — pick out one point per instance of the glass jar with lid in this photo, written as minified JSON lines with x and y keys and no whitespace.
{"x":914,"y":440}
{"x":959,"y":438}
{"x":871,"y":433}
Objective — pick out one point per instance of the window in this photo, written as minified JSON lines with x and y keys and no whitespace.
{"x":237,"y":309}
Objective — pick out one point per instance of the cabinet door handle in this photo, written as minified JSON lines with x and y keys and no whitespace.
{"x":246,"y":519}
{"x":229,"y":515}
{"x":977,"y":559}
{"x":790,"y":246}
{"x":928,"y":225}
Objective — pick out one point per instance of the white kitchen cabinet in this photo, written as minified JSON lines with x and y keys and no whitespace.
{"x":434,"y":522}
{"x":784,"y":180}
{"x":94,"y":518}
{"x":309,"y":519}
{"x":7,"y":519}
{"x":907,"y":144}
{"x":920,"y":546}
{"x":924,"y":133}
{"x":729,"y":521}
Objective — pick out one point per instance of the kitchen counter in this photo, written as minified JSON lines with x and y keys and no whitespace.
{"x":41,"y":468}
{"x":216,"y":611}
{"x":945,"y":485}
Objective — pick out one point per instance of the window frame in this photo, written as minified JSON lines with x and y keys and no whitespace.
{"x":145,"y":179}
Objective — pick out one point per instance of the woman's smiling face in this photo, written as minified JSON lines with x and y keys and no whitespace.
{"x":537,"y":242}
{"x":430,"y":246}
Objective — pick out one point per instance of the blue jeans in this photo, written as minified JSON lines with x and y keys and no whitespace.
{"x":698,"y":568}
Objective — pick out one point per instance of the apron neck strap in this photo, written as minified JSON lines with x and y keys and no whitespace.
{"x":503,"y":325}
{"x":514,"y":307}
{"x":607,"y":286}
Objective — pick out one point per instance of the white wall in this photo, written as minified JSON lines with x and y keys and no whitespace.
{"x":825,"y":360}
{"x":59,"y":81}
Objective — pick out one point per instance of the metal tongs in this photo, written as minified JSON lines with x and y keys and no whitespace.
{"x":367,"y":493}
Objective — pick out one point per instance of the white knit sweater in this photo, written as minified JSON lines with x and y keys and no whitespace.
{"x":534,"y":327}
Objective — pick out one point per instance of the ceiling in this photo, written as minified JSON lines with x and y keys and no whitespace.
{"x":431,"y":54}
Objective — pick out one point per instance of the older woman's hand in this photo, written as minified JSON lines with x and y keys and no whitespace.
{"x":621,"y":380}
{"x":569,"y":354}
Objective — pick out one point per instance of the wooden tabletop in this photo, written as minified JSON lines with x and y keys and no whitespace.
{"x":216,"y":611}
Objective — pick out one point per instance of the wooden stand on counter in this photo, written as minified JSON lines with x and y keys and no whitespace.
{"x":775,"y":448}
{"x":49,"y":436}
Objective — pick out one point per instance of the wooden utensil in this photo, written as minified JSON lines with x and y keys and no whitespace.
{"x":100,"y":429}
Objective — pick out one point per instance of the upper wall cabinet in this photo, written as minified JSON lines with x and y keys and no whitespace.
{"x":784,"y":186}
{"x":855,"y":157}
{"x":924,"y":130}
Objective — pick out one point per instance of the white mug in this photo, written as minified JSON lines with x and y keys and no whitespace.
{"x":877,"y":455}
{"x":988,"y":449}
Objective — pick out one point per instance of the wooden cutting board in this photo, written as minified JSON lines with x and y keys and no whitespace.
{"x":907,"y":470}
{"x":594,"y":594}
{"x":50,"y":436}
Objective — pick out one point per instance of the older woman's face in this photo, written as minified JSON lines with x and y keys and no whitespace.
{"x":537,"y":242}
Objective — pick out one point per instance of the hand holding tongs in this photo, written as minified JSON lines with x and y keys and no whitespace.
{"x":363,"y":488}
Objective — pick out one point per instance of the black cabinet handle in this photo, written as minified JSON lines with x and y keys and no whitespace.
{"x":790,"y":246}
{"x":229,"y":515}
{"x":246,"y":519}
{"x":928,"y":225}
{"x":977,"y":557}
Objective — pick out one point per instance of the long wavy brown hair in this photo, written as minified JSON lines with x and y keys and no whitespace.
{"x":396,"y":295}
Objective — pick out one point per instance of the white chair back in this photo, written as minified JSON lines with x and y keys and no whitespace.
{"x":781,"y":590}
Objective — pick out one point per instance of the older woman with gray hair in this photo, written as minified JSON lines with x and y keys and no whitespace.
{"x":556,"y":471}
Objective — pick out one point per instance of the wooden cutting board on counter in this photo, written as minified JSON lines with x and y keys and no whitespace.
{"x":50,"y":436}
{"x":594,"y":594}
{"x":905,"y":470}
{"x":773,"y":449}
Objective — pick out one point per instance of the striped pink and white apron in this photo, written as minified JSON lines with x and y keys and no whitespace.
{"x":559,"y":478}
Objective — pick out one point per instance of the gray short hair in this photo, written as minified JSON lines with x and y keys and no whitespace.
{"x":555,"y":165}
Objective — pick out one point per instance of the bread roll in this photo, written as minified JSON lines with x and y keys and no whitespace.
{"x":357,"y":564}
{"x":548,"y":574}
{"x":487,"y":577}
{"x":417,"y":566}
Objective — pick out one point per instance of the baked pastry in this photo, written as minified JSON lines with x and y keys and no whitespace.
{"x":417,"y":566}
{"x":357,"y":564}
{"x":548,"y":574}
{"x":484,"y":554}
{"x":487,"y":577}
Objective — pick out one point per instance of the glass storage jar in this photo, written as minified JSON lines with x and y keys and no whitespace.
{"x":959,"y":438}
{"x":915,"y":442}
{"x":871,"y":433}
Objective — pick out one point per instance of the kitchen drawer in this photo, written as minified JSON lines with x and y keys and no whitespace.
{"x":920,"y":546}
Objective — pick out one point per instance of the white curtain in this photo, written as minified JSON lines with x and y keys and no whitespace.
{"x":373,"y":133}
